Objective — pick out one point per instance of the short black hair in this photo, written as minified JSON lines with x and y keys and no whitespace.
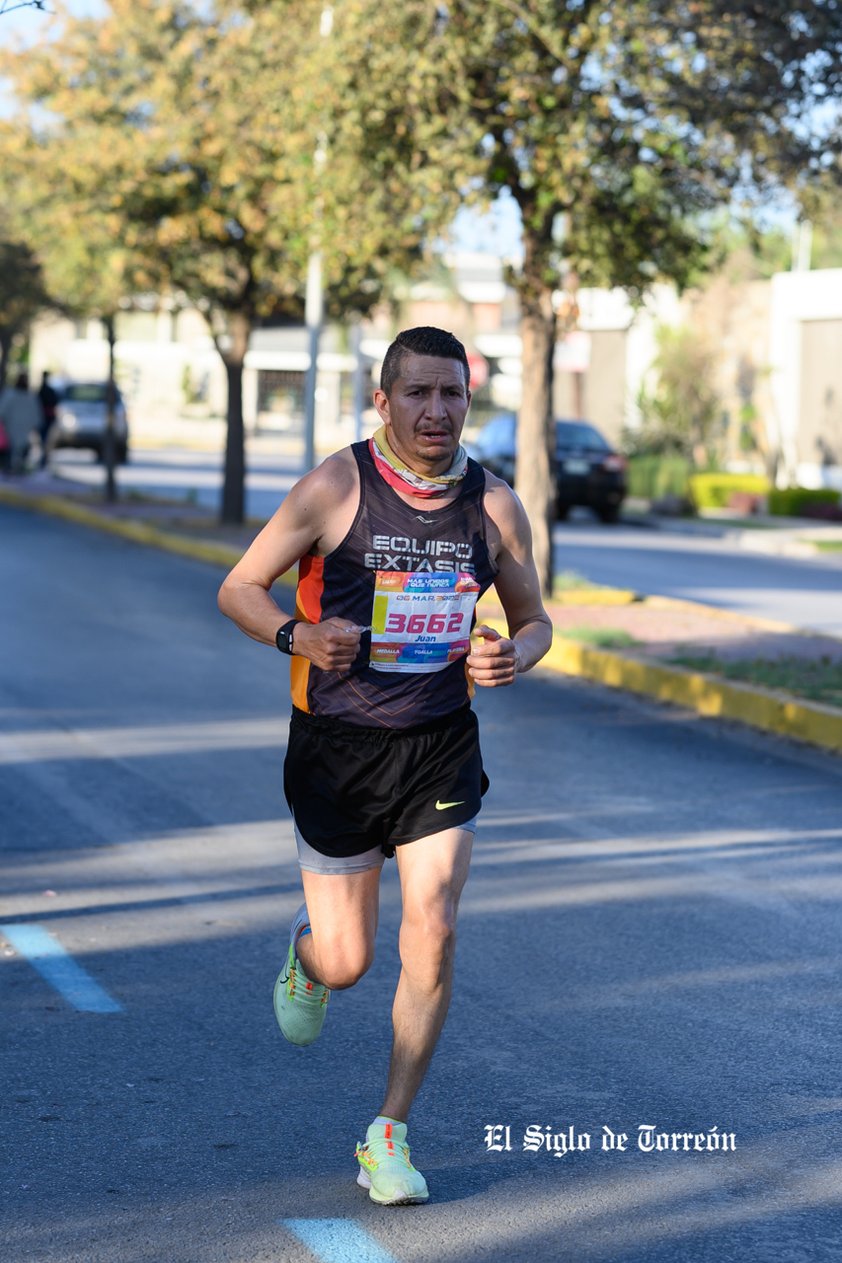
{"x":425,"y":340}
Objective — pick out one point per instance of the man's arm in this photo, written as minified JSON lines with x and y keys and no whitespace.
{"x":499,"y":658}
{"x":297,"y":528}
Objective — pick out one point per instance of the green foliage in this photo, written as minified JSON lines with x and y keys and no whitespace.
{"x":827,"y":242}
{"x":654,"y":477}
{"x":714,"y":491}
{"x":745,"y":251}
{"x":793,"y":501}
{"x":817,"y":679}
{"x":205,"y":150}
{"x":601,"y":637}
{"x":572,"y":581}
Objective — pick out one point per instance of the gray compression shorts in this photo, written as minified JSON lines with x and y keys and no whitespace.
{"x":314,"y":862}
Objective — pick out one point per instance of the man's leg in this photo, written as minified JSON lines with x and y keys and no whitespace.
{"x":342,"y":911}
{"x":433,"y":871}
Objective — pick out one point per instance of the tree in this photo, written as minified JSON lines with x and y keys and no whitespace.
{"x":617,"y":129}
{"x":193,"y":131}
{"x":78,"y":241}
{"x":681,"y":411}
{"x":22,"y":296}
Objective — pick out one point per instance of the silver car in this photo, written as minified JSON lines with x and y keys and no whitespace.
{"x":81,"y":420}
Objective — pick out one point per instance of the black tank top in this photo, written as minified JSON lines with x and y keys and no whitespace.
{"x":389,"y":535}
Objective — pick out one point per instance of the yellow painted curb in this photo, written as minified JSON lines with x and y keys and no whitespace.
{"x":597,"y":596}
{"x":138,"y":532}
{"x":706,"y":694}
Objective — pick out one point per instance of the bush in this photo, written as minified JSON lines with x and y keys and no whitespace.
{"x":714,"y":491}
{"x":799,"y":501}
{"x":824,"y":512}
{"x":654,"y":477}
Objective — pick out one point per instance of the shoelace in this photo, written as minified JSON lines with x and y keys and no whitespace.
{"x":380,"y":1149}
{"x":306,"y":993}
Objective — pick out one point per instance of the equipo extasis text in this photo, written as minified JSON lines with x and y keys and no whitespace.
{"x":647,"y":1138}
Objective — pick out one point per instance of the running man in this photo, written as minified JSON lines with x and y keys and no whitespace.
{"x":395,"y":539}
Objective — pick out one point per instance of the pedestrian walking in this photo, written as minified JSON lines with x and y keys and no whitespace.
{"x":48,"y":399}
{"x":20,"y":416}
{"x":395,"y":540}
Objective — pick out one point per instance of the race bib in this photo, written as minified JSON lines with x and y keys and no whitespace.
{"x":421,"y":622}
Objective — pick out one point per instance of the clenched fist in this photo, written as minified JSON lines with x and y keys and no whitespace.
{"x":495,"y":661}
{"x":332,"y":645}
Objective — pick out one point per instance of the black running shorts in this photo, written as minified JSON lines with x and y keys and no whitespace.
{"x":351,"y":788}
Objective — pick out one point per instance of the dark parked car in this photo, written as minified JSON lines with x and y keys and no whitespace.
{"x":80,"y":420}
{"x":588,"y":470}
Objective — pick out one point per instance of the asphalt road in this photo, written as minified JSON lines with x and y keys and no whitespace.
{"x":177,"y":473}
{"x":806,"y":593}
{"x":650,"y":936}
{"x":715,"y":571}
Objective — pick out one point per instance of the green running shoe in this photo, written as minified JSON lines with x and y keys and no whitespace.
{"x":300,"y":1005}
{"x":385,"y":1168}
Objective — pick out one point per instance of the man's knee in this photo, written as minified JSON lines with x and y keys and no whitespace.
{"x":340,"y":965}
{"x":428,"y":938}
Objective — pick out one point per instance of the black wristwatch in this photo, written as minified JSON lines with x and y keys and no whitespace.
{"x":283,"y":636}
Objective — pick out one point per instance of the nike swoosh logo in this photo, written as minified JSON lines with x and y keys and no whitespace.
{"x":428,"y":520}
{"x":444,"y":806}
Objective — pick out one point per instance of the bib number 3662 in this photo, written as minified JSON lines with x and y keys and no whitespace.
{"x":421,"y":622}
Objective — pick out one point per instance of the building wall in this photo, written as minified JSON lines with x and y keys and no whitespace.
{"x":605,"y":387}
{"x":804,"y":408}
{"x":598,"y":393}
{"x":819,"y":439}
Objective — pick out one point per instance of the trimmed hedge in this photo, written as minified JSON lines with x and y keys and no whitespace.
{"x":714,"y":491}
{"x":793,"y":501}
{"x":653,"y":477}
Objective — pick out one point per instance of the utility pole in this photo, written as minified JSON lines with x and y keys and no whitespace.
{"x":802,"y":246}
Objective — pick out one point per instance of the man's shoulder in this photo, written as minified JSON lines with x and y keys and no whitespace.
{"x":336,"y":474}
{"x":325,"y":497}
{"x":499,"y":500}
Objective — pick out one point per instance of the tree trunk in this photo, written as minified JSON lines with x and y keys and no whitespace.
{"x":535,"y":479}
{"x":233,"y":487}
{"x":5,"y":352}
{"x":109,"y":447}
{"x":232,"y":509}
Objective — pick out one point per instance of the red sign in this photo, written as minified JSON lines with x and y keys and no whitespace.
{"x":479,"y":369}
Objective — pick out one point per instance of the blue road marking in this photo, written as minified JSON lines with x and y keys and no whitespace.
{"x":59,"y":969}
{"x":337,"y":1241}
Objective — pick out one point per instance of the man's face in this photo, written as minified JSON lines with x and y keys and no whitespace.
{"x":425,"y":412}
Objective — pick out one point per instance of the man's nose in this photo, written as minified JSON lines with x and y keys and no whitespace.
{"x":435,"y":405}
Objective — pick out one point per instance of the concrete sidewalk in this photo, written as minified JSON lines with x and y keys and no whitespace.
{"x":623,"y":640}
{"x":773,"y":536}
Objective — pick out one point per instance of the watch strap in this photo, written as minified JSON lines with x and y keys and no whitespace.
{"x":284,"y":635}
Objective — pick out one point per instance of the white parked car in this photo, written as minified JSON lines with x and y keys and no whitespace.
{"x":81,"y":417}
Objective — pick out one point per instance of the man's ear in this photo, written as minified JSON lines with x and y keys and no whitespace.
{"x":381,"y":403}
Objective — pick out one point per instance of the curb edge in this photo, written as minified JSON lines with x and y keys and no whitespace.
{"x":708,"y":695}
